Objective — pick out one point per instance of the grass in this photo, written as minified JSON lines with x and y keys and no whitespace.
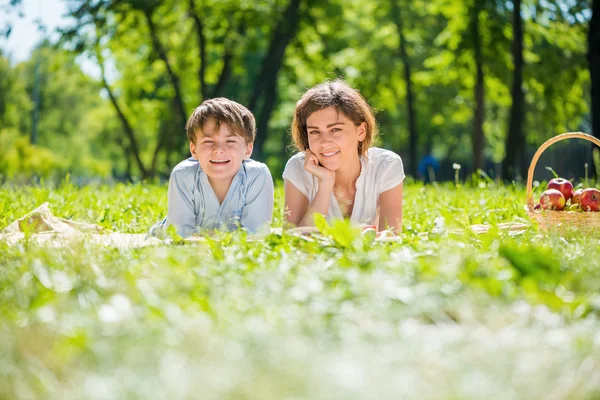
{"x":445,"y":314}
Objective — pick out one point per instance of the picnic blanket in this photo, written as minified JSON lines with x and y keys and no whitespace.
{"x":42,"y":227}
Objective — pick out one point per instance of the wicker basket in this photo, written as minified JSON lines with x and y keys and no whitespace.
{"x":560,"y":220}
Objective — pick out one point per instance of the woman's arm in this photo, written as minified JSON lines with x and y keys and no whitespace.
{"x":390,"y":209}
{"x":297,"y":210}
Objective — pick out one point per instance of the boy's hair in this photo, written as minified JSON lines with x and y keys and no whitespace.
{"x":237,"y":117}
{"x":340,"y":95}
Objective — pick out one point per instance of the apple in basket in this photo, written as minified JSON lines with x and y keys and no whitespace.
{"x":576,"y":196}
{"x":552,"y":199}
{"x":590,"y":200}
{"x":563,"y":186}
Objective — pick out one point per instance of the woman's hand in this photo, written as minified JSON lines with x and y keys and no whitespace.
{"x":311,"y":164}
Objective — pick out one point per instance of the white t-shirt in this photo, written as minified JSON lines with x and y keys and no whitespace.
{"x":382,"y":170}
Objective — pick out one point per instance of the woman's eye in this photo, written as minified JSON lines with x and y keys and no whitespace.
{"x":314,"y":132}
{"x":335,"y":130}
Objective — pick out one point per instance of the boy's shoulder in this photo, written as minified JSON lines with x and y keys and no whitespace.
{"x":185,"y":168}
{"x":253,"y":167}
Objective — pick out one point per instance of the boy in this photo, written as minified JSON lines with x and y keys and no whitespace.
{"x":219,"y":187}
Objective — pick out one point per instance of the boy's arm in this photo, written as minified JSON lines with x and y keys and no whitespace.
{"x":258,"y":210}
{"x":181,"y":204}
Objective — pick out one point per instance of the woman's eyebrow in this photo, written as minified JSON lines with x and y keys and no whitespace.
{"x":328,"y":126}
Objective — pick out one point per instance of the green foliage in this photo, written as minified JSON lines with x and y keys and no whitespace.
{"x":22,"y":160}
{"x":231,"y":317}
{"x":357,"y":40}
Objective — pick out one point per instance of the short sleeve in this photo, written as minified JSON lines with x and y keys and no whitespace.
{"x":294,"y":172}
{"x":258,"y":210}
{"x":391,"y":172}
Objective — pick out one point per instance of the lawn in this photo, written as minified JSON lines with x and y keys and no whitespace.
{"x":444,"y":313}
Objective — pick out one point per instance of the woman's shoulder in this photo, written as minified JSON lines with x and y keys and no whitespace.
{"x":297,"y":158}
{"x":296,"y":162}
{"x":379,"y":157}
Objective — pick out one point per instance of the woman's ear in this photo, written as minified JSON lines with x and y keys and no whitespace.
{"x":362,"y":131}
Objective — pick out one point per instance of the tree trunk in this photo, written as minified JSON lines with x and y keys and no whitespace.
{"x":593,"y":56}
{"x":266,"y":83}
{"x":201,"y":48}
{"x":133,"y":148}
{"x":514,"y":161}
{"x":479,"y":93}
{"x":410,"y":108}
{"x":180,"y":138}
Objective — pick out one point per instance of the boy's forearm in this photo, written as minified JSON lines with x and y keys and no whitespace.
{"x":320,"y":204}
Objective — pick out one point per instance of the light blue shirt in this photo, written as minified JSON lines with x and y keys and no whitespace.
{"x":193,"y":205}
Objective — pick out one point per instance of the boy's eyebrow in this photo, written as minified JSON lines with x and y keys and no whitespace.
{"x":328,"y":126}
{"x":213,"y":133}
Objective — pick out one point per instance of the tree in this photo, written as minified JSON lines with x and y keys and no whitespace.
{"x":410,"y":107}
{"x":514,"y":161}
{"x":478,"y":135}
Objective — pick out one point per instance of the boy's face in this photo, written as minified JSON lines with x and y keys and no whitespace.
{"x":219,"y":151}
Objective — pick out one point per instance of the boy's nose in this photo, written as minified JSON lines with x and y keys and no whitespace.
{"x":219,"y":148}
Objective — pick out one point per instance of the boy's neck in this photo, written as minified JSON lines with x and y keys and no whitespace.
{"x":220,"y":187}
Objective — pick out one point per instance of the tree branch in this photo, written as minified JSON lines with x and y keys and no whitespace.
{"x":172,"y":75}
{"x":133,"y":146}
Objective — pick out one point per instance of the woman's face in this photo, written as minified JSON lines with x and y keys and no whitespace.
{"x":334,"y":138}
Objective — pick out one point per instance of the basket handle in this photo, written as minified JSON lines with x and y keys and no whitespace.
{"x":544,"y":146}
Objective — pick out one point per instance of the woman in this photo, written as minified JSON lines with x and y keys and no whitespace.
{"x":336,"y":172}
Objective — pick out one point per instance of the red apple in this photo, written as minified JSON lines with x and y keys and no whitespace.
{"x":576,"y":195}
{"x":552,"y":199}
{"x":590,"y":200}
{"x":563,"y":186}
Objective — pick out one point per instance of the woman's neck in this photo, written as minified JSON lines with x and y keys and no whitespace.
{"x":345,"y":178}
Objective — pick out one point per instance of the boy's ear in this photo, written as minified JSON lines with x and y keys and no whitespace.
{"x":193,"y":150}
{"x":362,"y":131}
{"x":249,"y":148}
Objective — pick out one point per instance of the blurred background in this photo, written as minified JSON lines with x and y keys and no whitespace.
{"x":101,"y":89}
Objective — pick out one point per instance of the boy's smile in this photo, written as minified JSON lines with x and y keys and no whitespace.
{"x":219,"y":151}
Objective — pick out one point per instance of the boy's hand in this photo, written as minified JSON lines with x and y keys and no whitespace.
{"x":311,"y":164}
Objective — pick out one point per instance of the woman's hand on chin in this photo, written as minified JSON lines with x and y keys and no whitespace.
{"x":311,"y":164}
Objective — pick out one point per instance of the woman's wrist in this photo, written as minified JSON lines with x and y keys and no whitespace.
{"x":326,"y":185}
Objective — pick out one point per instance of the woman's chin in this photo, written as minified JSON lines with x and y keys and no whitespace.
{"x":330,"y":165}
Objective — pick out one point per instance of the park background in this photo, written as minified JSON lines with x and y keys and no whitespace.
{"x":473,"y":300}
{"x":102,"y":89}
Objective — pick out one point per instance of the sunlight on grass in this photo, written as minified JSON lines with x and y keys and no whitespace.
{"x":444,"y":313}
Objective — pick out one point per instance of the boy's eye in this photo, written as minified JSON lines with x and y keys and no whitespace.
{"x":231,"y":141}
